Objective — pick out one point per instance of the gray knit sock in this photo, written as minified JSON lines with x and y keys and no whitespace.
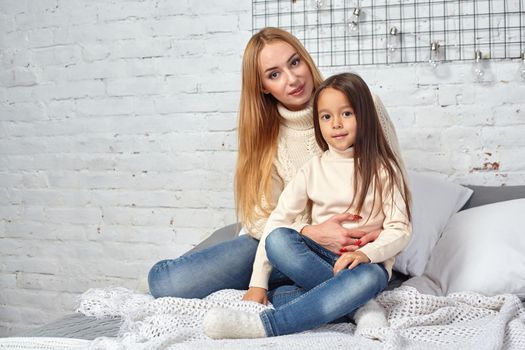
{"x":222,"y":323}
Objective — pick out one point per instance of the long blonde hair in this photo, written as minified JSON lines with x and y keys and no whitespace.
{"x":258,"y":127}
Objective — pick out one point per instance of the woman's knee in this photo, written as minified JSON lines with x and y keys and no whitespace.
{"x":164,"y":280}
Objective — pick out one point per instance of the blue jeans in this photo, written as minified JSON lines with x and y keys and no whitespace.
{"x":227,"y":265}
{"x":318,"y":297}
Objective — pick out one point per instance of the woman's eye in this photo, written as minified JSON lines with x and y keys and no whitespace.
{"x":347,"y":114}
{"x":295,"y":62}
{"x":274,"y":75}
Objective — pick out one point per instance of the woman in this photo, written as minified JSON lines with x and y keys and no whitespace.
{"x":276,"y":137}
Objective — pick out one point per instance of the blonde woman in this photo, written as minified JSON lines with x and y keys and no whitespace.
{"x":276,"y":138}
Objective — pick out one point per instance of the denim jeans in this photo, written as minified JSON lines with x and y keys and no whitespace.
{"x":318,"y":297}
{"x":227,"y":265}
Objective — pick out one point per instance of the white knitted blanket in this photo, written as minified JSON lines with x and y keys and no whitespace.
{"x":417,"y":321}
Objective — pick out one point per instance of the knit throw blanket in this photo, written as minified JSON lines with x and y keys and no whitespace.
{"x":417,"y":321}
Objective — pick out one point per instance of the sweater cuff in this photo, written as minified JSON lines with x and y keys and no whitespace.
{"x":259,"y":280}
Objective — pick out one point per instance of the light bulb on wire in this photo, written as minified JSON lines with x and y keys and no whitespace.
{"x":318,"y":4}
{"x":434,"y":59}
{"x":393,"y":41}
{"x":478,"y":70}
{"x":354,"y":20}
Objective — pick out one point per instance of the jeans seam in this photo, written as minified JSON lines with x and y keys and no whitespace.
{"x":318,"y":249}
{"x":285,"y":293}
{"x":267,"y":323}
{"x":317,"y":255}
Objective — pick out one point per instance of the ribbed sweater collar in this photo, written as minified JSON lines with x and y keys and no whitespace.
{"x":334,"y":154}
{"x":297,"y":120}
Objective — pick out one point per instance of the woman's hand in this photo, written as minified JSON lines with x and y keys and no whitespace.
{"x":366,"y":238}
{"x":333,"y":236}
{"x":350,"y":260}
{"x":256,"y":294}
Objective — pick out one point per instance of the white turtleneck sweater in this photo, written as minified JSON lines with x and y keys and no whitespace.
{"x":327,"y":181}
{"x":295,"y":147}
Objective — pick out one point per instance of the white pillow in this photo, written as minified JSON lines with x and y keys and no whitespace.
{"x":434,"y":201}
{"x":481,"y":250}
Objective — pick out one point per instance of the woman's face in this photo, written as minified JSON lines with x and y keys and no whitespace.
{"x":285,"y":75}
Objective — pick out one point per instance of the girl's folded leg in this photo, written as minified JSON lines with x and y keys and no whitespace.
{"x":329,"y":301}
{"x":304,"y":261}
{"x":284,"y":294}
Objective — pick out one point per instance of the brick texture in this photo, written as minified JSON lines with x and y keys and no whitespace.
{"x":118,"y":140}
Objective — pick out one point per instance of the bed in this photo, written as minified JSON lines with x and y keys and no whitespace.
{"x":82,"y":327}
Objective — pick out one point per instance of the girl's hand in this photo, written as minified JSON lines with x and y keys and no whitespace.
{"x":256,"y":294}
{"x":350,"y":260}
{"x":366,"y":238}
{"x":332,"y":235}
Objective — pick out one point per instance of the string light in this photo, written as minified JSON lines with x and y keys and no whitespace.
{"x":434,"y":59}
{"x":478,"y":70}
{"x":393,"y":40}
{"x":354,"y":21}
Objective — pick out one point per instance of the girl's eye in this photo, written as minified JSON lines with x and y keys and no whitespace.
{"x":274,"y":75}
{"x":295,"y":62}
{"x":347,"y":114}
{"x":325,"y":117}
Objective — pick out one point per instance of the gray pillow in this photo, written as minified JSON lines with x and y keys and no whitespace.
{"x":221,"y":235}
{"x":492,"y":194}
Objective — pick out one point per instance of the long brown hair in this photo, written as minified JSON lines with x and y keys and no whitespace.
{"x":258,"y":127}
{"x":372,"y":153}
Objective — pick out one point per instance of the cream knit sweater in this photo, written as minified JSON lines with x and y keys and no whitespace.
{"x":326,"y":181}
{"x":295,"y":147}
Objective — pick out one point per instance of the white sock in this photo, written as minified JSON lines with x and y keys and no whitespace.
{"x":220,"y":323}
{"x":370,"y":315}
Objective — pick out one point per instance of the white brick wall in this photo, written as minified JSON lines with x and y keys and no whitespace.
{"x":117,"y":138}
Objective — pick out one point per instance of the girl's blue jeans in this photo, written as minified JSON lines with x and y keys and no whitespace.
{"x":317,"y":296}
{"x":307,"y":295}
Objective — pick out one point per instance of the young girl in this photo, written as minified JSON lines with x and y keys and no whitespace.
{"x":358,"y":173}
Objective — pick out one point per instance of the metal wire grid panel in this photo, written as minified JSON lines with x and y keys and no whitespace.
{"x":336,"y":36}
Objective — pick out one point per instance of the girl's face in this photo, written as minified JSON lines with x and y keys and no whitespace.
{"x":337,"y":120}
{"x":285,"y":75}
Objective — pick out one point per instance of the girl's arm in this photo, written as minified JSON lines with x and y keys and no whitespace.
{"x":291,"y":203}
{"x":256,"y":228}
